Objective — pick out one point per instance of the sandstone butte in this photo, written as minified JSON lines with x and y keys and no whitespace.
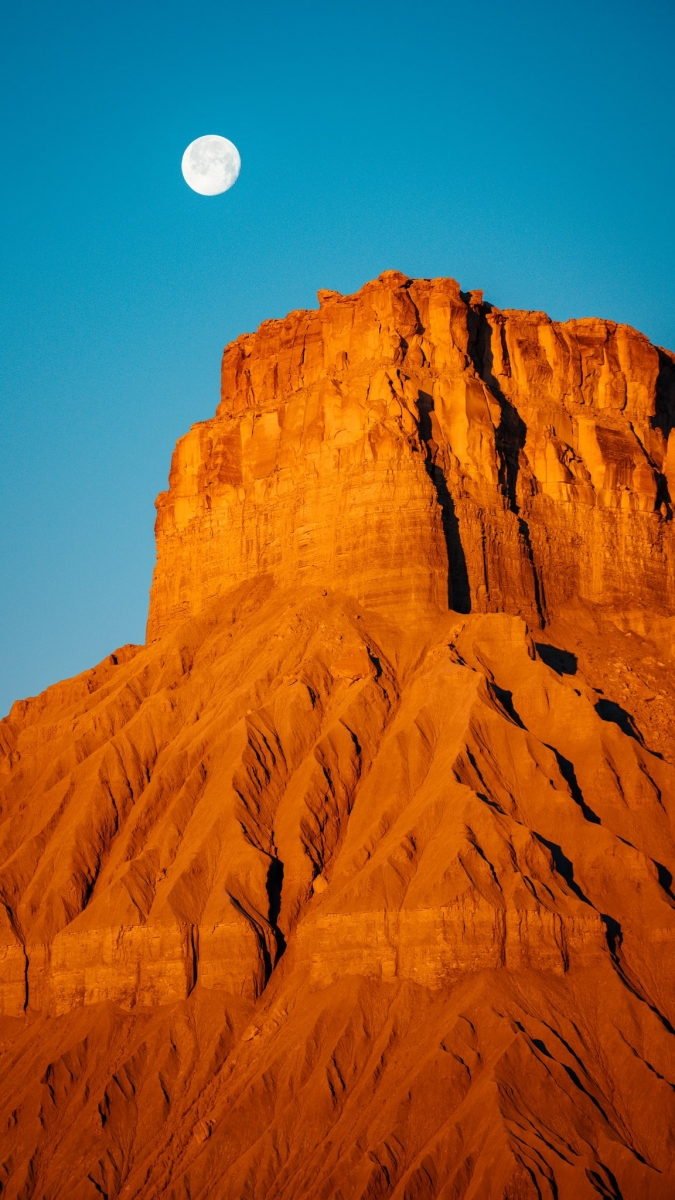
{"x":355,"y":881}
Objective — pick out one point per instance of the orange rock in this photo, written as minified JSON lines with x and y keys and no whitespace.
{"x":355,"y":881}
{"x":411,"y":443}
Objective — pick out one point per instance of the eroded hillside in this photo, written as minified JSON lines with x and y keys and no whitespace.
{"x":355,"y":881}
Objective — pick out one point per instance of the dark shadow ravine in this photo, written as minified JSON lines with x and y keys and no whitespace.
{"x":664,"y":420}
{"x":505,"y":699}
{"x":193,"y":957}
{"x":259,"y":931}
{"x":568,"y":773}
{"x":563,"y":866}
{"x":665,"y":878}
{"x":607,"y":1188}
{"x":459,"y":589}
{"x":563,"y":662}
{"x":614,"y":936}
{"x":275,"y":882}
{"x":609,"y":710}
{"x":664,"y":415}
{"x":510,"y":435}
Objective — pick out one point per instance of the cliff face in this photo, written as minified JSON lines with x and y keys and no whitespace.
{"x":417,"y":447}
{"x":355,"y":881}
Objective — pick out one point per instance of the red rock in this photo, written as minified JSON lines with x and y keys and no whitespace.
{"x":355,"y":881}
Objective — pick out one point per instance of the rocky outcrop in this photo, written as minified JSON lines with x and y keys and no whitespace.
{"x":356,"y":880}
{"x":417,"y":447}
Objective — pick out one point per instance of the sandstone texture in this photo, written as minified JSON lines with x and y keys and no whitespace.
{"x":355,"y":881}
{"x":417,"y":447}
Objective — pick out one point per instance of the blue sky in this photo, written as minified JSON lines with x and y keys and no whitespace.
{"x":524,"y":148}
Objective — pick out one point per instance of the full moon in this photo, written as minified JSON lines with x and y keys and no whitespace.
{"x":211,"y":164}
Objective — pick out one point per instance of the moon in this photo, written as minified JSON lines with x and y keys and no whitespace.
{"x":211,"y":164}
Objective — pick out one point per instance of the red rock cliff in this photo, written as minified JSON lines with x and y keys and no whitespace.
{"x":418,"y":448}
{"x":356,"y":880}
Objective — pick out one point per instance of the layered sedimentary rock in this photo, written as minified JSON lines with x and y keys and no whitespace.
{"x":412,"y":427}
{"x":356,"y":880}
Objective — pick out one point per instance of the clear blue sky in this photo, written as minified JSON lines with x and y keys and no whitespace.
{"x":525,"y":148}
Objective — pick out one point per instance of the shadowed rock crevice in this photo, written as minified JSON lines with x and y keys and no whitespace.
{"x":459,"y":589}
{"x":568,"y":773}
{"x":510,"y":435}
{"x":505,"y":698}
{"x":665,"y":879}
{"x":664,"y":414}
{"x":275,"y":883}
{"x":605,"y":1184}
{"x":511,"y":432}
{"x":564,"y":866}
{"x":609,"y":710}
{"x":561,"y":661}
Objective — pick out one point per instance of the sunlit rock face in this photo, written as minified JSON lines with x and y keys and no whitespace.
{"x":416,"y":447}
{"x":356,"y":880}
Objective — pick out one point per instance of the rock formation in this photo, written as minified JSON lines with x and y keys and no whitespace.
{"x":355,"y":881}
